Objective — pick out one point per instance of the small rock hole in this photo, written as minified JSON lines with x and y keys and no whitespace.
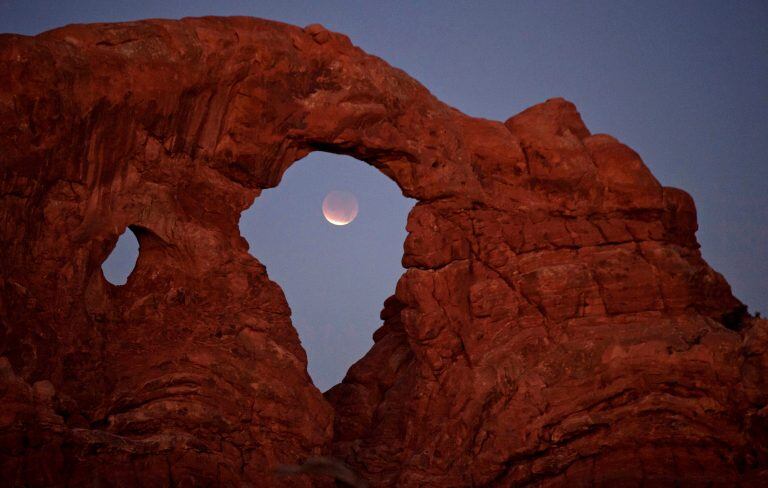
{"x":120,"y":263}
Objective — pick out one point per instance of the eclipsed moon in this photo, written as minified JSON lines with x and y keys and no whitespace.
{"x":339,"y":207}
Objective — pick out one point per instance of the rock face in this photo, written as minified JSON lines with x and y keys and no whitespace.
{"x":556,"y":325}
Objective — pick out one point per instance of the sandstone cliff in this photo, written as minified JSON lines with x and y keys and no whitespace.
{"x":556,"y":325}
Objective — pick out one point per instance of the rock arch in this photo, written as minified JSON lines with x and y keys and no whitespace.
{"x":556,"y":321}
{"x":335,"y":279}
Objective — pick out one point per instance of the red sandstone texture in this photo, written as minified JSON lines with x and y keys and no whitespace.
{"x":556,"y":325}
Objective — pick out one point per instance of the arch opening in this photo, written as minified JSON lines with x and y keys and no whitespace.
{"x":121,"y":262}
{"x":335,"y":277}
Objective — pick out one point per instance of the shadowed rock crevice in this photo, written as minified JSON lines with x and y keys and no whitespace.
{"x":556,"y":323}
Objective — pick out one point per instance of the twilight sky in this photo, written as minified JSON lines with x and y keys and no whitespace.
{"x":685,"y":85}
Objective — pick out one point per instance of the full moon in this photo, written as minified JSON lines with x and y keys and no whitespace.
{"x":340,"y":207}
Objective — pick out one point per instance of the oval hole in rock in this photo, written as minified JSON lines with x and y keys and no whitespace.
{"x":335,"y":277}
{"x":120,"y":263}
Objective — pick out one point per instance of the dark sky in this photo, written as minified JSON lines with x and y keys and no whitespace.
{"x":685,"y":84}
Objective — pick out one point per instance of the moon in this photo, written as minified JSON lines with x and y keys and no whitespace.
{"x":340,"y":207}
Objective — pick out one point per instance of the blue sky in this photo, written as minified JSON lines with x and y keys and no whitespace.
{"x":685,"y":84}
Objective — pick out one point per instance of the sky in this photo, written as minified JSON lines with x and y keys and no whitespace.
{"x":685,"y":84}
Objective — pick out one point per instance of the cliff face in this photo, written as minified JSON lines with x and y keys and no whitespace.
{"x":556,"y":323}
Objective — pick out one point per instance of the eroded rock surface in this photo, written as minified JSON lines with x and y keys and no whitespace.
{"x":556,"y":324}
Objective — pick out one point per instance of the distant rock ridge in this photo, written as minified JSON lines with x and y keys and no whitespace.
{"x":556,"y":325}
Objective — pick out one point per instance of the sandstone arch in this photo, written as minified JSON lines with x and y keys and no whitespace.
{"x":556,"y":322}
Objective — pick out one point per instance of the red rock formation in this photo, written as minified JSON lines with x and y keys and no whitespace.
{"x":556,"y":324}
